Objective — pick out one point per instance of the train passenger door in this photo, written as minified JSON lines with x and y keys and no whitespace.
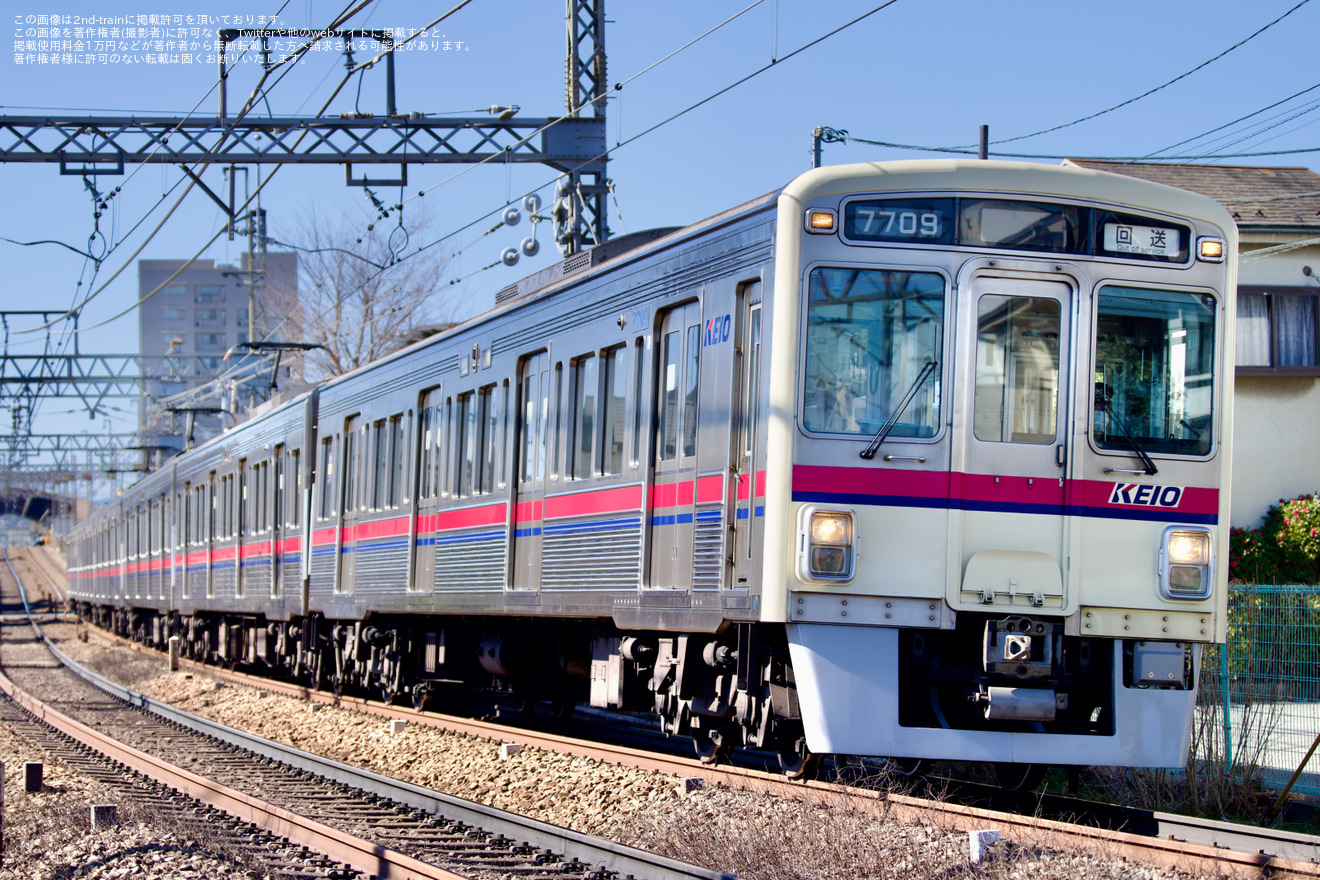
{"x":673,"y":493}
{"x":748,"y":491}
{"x":1013,"y":529}
{"x":535,"y":403}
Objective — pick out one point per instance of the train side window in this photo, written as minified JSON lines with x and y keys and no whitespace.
{"x":263,"y":498}
{"x":556,"y":398}
{"x":502,"y":417}
{"x":670,"y":354}
{"x":243,"y":520}
{"x":300,"y":487}
{"x":399,"y":446}
{"x":691,"y":389}
{"x":279,"y":489}
{"x":327,"y":478}
{"x":584,"y":418}
{"x":533,"y":427}
{"x":352,"y":464}
{"x":425,"y":446}
{"x":444,"y":418}
{"x":380,"y":454}
{"x":639,"y":376}
{"x":615,"y":385}
{"x":489,"y":418}
{"x":1017,"y":369}
{"x":752,"y":396}
{"x":467,"y":425}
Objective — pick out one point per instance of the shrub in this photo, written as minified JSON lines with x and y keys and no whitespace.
{"x":1269,"y":554}
{"x":1299,"y":534}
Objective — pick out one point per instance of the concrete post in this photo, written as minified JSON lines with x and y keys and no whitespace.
{"x":32,"y":776}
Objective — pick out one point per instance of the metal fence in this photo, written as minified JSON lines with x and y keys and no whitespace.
{"x":1259,"y":703}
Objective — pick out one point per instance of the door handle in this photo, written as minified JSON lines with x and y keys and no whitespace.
{"x":1060,"y":455}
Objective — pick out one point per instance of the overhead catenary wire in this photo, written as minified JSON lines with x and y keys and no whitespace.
{"x":202,"y":165}
{"x":347,"y":76}
{"x":1217,"y":129}
{"x":639,"y":135}
{"x":1149,"y":92}
{"x":963,"y":151}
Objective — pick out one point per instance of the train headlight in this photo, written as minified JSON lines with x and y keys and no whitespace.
{"x":1186,"y":563}
{"x":821,"y":221}
{"x":827,"y":544}
{"x":1210,"y":250}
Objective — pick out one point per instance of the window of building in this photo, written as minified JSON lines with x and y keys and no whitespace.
{"x":210,"y":363}
{"x":211,"y":339}
{"x":210,"y":314}
{"x":174,"y":289}
{"x":1276,"y":331}
{"x":242,"y":317}
{"x":172,"y":314}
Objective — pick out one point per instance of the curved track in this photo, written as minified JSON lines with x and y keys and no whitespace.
{"x":1202,"y":846}
{"x":378,"y":826}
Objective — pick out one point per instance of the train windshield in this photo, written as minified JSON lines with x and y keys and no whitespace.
{"x":1154,"y":370}
{"x":870,"y":334}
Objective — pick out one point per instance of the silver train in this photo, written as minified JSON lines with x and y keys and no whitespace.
{"x":913,"y":459}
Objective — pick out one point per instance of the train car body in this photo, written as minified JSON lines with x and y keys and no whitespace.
{"x":920,"y":459}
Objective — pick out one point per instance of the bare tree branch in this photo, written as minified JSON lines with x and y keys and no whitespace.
{"x":358,"y":300}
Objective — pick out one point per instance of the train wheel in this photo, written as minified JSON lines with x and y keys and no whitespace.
{"x":1019,"y":777}
{"x":712,"y":744}
{"x":795,"y":759}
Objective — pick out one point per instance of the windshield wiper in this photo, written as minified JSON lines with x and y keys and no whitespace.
{"x":869,"y":452}
{"x":1102,"y":404}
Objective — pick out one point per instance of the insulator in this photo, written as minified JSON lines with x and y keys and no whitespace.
{"x":511,"y":217}
{"x":509,"y":257}
{"x":530,"y":247}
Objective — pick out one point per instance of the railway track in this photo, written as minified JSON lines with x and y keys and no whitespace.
{"x":360,"y":821}
{"x":1200,"y":846}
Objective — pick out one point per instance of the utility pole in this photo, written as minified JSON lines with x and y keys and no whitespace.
{"x":580,"y":214}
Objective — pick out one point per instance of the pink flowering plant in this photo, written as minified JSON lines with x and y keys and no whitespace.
{"x":1299,"y":533}
{"x":1274,"y":552}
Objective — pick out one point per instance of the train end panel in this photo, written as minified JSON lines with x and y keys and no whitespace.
{"x":848,"y":681}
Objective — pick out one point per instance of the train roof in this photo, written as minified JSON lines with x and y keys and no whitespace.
{"x":984,"y":176}
{"x":991,"y":176}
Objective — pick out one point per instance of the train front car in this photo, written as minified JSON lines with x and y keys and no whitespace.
{"x":1005,"y":481}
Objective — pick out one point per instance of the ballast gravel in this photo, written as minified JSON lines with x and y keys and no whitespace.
{"x":748,"y":834}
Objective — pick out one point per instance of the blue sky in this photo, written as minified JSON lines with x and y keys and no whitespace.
{"x":922,"y":73}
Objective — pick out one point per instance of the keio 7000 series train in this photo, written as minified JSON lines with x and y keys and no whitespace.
{"x":919,"y":459}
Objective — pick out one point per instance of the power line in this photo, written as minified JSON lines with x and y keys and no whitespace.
{"x":1150,"y":92}
{"x":262,"y":185}
{"x":971,"y":152}
{"x":1234,"y":122}
{"x":634,"y":138}
{"x":343,"y":16}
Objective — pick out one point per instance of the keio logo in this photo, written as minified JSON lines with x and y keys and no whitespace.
{"x":717,"y":330}
{"x":1146,"y":496}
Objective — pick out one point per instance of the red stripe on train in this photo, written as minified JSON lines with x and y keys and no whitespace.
{"x":620,"y":500}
